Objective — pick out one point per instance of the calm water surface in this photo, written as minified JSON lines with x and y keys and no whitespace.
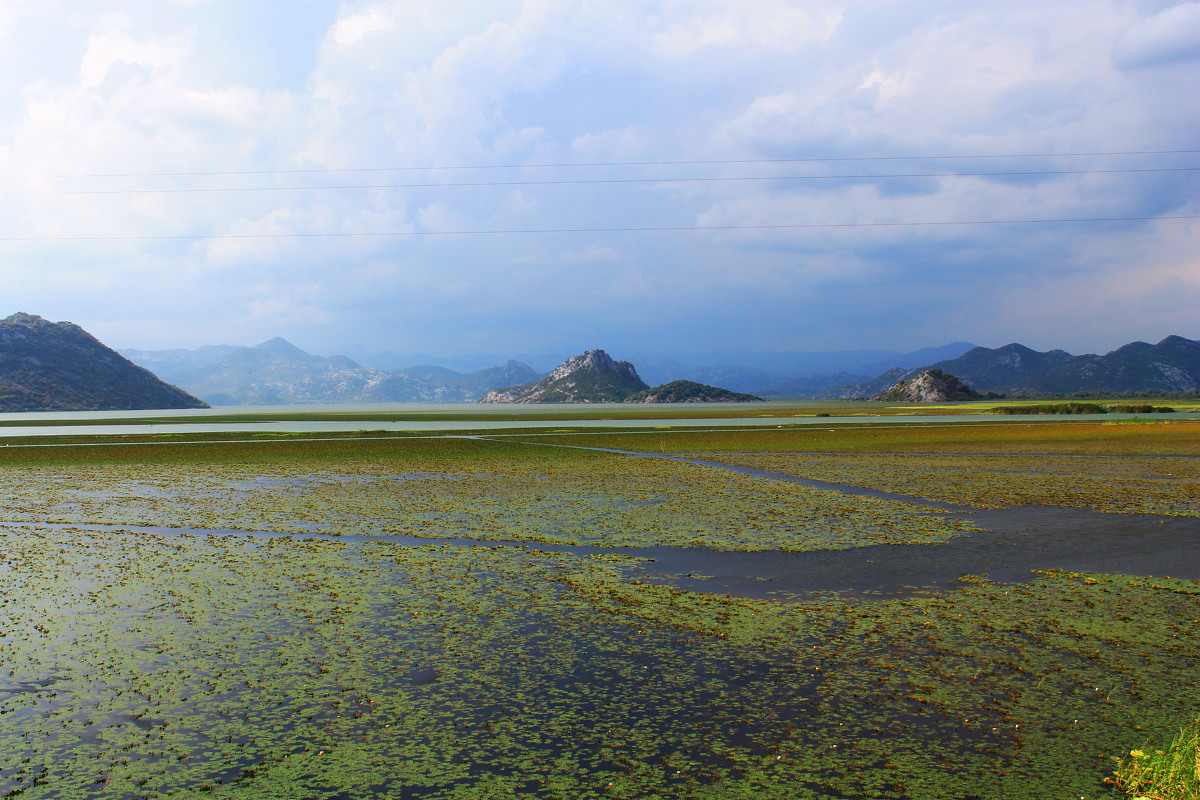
{"x":434,"y":419}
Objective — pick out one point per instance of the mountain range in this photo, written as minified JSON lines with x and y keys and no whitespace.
{"x":1172,"y":366}
{"x":277,"y":372}
{"x":58,"y":366}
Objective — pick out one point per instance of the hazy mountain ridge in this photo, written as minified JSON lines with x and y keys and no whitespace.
{"x":790,"y":373}
{"x":277,"y":372}
{"x":1170,"y":366}
{"x":58,"y":366}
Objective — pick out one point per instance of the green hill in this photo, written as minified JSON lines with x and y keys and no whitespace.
{"x":690,"y":392}
{"x":58,"y":366}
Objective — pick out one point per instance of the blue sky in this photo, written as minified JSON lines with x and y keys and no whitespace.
{"x":222,"y":159}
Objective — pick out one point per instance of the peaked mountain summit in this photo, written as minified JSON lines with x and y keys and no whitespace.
{"x":58,"y":366}
{"x":929,"y":386}
{"x":591,"y":377}
{"x":595,"y":377}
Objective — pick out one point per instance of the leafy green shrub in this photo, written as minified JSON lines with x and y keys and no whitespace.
{"x":1053,"y":408}
{"x":1138,"y":408}
{"x":1171,"y":774}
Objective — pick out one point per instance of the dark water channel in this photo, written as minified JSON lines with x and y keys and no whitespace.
{"x":1016,"y":541}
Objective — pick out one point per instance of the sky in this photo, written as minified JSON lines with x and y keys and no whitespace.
{"x":671,"y":177}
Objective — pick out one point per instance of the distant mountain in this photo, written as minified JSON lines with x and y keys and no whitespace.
{"x":928,"y":386}
{"x":178,"y":366}
{"x":277,"y":372}
{"x":58,"y":366}
{"x":790,"y":374}
{"x":657,"y":371}
{"x":813,"y":385}
{"x":1169,"y":367}
{"x":591,"y":377}
{"x":690,"y":392}
{"x":916,"y":358}
{"x":792,"y":363}
{"x":266,"y":374}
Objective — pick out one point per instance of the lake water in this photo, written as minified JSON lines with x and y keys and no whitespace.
{"x":446,"y":417}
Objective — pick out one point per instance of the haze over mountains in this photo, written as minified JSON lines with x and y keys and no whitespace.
{"x":59,"y":366}
{"x":277,"y":372}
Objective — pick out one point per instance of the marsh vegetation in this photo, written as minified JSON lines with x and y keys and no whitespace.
{"x":152,"y":646}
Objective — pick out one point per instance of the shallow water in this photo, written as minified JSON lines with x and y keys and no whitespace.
{"x":1016,"y":542}
{"x":304,"y":666}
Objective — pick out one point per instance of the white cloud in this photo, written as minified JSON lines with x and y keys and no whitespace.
{"x":348,"y":30}
{"x":773,"y":24}
{"x":1170,"y":36}
{"x":620,"y":144}
{"x":121,"y":89}
{"x":106,"y":51}
{"x":278,"y":307}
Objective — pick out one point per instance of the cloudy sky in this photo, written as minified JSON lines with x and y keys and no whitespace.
{"x":654,"y":177}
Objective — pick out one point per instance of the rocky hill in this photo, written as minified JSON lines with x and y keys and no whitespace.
{"x":591,"y":377}
{"x":58,"y":366}
{"x":1172,"y":366}
{"x":690,"y":392}
{"x":928,"y":386}
{"x":277,"y":372}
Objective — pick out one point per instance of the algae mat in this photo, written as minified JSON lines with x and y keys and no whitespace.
{"x":139,"y":665}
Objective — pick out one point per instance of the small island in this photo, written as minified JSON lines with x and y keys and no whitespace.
{"x":595,"y":377}
{"x":690,"y":392}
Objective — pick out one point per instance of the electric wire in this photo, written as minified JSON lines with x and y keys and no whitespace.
{"x":568,"y":165}
{"x":639,"y":229}
{"x":588,"y":181}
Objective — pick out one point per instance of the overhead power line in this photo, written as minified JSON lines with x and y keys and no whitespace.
{"x":588,"y":181}
{"x":592,"y":164}
{"x":639,"y":229}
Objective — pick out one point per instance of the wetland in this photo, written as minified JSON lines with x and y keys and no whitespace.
{"x":917,"y":610}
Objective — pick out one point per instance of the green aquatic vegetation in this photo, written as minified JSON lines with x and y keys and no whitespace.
{"x":593,"y":499}
{"x":149,"y":665}
{"x":1178,"y":437}
{"x":1170,"y":774}
{"x":144,"y":665}
{"x":1122,"y":485}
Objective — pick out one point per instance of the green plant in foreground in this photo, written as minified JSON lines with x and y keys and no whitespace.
{"x":1171,"y":774}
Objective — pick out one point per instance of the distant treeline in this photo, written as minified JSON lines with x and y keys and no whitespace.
{"x":1085,"y":408}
